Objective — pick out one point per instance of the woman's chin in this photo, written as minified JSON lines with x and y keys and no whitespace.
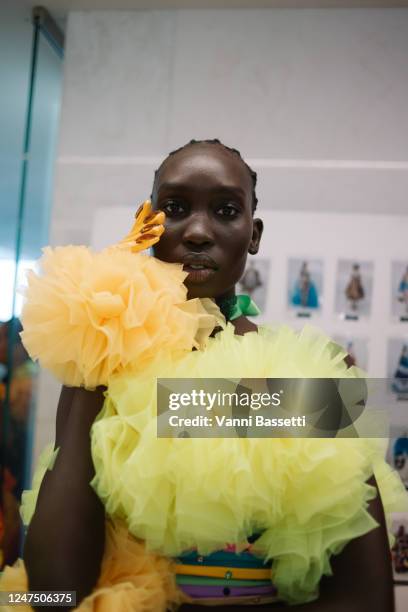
{"x":199,"y":290}
{"x":192,"y":294}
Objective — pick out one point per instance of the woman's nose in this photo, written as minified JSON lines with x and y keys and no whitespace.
{"x":198,"y":232}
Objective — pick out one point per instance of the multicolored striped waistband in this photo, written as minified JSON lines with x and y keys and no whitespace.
{"x":224,"y":574}
{"x":227,"y":591}
{"x":229,"y":573}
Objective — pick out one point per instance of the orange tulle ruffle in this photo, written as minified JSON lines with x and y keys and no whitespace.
{"x":89,"y":315}
{"x":131,"y":579}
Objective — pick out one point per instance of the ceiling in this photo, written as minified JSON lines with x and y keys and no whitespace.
{"x":60,"y":8}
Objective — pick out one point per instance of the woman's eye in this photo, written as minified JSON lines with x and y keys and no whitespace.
{"x":172,"y":207}
{"x":227,"y":210}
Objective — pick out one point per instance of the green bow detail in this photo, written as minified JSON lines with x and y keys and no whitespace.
{"x":242,"y":305}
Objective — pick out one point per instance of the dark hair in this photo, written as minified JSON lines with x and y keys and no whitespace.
{"x":216,"y":141}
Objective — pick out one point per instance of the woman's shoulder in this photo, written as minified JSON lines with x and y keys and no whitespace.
{"x":243,"y":325}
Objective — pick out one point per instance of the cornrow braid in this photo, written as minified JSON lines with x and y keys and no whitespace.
{"x":216,"y":141}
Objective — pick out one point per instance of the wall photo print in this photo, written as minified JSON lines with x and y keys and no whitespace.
{"x":354,"y":288}
{"x":397,"y":367}
{"x":255,"y":281}
{"x":305,"y":286}
{"x":399,"y":551}
{"x":397,"y":453}
{"x":399,"y":290}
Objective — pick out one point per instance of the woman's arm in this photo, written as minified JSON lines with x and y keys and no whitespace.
{"x":362,"y":576}
{"x":65,"y":539}
{"x":362,"y":573}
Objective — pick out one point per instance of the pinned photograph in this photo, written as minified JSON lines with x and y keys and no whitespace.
{"x":399,"y":550}
{"x":305,"y":286}
{"x":255,"y":281}
{"x":397,"y":455}
{"x":399,"y":291}
{"x":354,"y":286}
{"x":397,"y":367}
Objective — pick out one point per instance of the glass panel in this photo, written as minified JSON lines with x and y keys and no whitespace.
{"x":15,"y":56}
{"x":28,"y":221}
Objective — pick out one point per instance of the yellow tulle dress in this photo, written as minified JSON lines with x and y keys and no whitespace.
{"x":306,"y":497}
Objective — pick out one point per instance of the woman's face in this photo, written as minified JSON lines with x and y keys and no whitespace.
{"x":206,"y":193}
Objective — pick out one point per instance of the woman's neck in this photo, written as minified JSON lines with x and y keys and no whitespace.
{"x":226,"y":302}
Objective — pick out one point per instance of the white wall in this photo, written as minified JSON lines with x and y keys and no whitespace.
{"x":303,"y":95}
{"x":316,"y":100}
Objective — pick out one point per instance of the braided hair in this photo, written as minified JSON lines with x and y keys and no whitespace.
{"x":216,"y":141}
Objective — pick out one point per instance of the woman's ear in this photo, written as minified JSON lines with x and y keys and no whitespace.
{"x":257,"y":229}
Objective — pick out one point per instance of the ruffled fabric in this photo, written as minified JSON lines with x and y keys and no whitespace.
{"x":14,"y":579}
{"x":308,"y":497}
{"x":131,"y":579}
{"x":89,"y":315}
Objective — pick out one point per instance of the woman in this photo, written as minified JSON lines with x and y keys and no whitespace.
{"x":403,"y":290}
{"x":305,"y":293}
{"x":355,"y":290}
{"x":208,"y":195}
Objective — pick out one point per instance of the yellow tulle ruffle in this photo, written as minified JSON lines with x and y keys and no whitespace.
{"x":89,"y":315}
{"x":309,"y":497}
{"x":131,"y":579}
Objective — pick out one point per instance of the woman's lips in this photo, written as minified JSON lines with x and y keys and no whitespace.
{"x":200,"y":267}
{"x":197,"y":275}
